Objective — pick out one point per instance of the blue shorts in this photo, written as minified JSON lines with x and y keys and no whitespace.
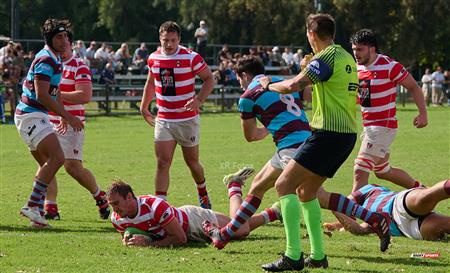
{"x":324,"y":152}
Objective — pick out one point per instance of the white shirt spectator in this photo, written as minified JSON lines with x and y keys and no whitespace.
{"x":438,"y":79}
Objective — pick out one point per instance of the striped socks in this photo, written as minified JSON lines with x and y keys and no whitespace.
{"x":245,"y":211}
{"x":37,"y":196}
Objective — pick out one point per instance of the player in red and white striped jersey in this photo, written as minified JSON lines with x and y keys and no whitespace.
{"x":379,"y":76}
{"x":172,"y":72}
{"x":76,"y":90}
{"x":167,"y":225}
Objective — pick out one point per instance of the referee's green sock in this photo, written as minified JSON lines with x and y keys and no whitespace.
{"x":312,"y":216}
{"x":290,"y":209}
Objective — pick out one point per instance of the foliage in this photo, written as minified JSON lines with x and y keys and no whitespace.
{"x":413,"y":31}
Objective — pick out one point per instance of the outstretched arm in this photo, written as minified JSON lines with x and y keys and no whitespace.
{"x":174,"y":236}
{"x":351,"y":225}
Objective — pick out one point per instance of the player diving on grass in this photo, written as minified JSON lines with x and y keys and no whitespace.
{"x":166,"y":225}
{"x":411,"y":211}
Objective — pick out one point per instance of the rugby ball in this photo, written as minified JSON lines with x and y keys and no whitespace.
{"x":130,"y":231}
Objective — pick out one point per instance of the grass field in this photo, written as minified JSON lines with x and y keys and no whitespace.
{"x":122,"y":147}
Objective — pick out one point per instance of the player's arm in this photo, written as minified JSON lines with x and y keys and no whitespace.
{"x":41,"y":88}
{"x":295,"y":84}
{"x":207,"y":87}
{"x":421,"y":120}
{"x":174,"y":236}
{"x":147,"y":97}
{"x":351,"y":224}
{"x":251,"y":130}
{"x":81,"y":95}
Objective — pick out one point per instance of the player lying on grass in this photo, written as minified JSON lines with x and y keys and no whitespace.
{"x":410,"y":211}
{"x":166,"y":225}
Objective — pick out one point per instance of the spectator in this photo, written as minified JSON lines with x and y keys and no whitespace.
{"x":201,"y":34}
{"x":436,"y":87}
{"x":298,"y":56}
{"x":224,"y":54}
{"x":253,"y":51}
{"x":107,"y":75}
{"x":426,"y":86}
{"x":446,"y":86}
{"x":276,"y":58}
{"x":123,"y":58}
{"x":140,"y":58}
{"x":79,"y":50}
{"x":263,"y":55}
{"x":90,"y":52}
{"x":288,"y":58}
{"x":102,"y":56}
{"x":4,"y":50}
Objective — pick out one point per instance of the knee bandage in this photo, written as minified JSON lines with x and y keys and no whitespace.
{"x":382,"y":168}
{"x":364,"y":163}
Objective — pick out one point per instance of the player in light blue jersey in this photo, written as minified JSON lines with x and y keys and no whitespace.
{"x":411,"y":211}
{"x":284,"y":119}
{"x":40,"y":94}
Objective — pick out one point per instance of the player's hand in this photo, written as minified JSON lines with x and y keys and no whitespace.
{"x":265,"y":81}
{"x":61,"y":128}
{"x":75,"y":123}
{"x":306,"y":59}
{"x":193,"y":104}
{"x":138,"y":240}
{"x":148,"y":117}
{"x":126,"y":238}
{"x":420,"y":121}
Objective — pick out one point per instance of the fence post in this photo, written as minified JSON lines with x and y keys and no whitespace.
{"x":222,"y":93}
{"x":107,"y":108}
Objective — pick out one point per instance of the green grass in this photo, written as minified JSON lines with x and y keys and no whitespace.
{"x":122,"y":147}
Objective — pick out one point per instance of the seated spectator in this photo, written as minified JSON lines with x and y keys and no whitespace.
{"x":140,"y":55}
{"x":253,"y":52}
{"x":236,"y":57}
{"x":90,"y":52}
{"x":230,"y":75}
{"x":107,"y":75}
{"x":298,"y":56}
{"x":276,"y":58}
{"x":288,"y":58}
{"x":224,"y":54}
{"x":79,"y":50}
{"x":122,"y":58}
{"x":4,"y":50}
{"x":263,"y":55}
{"x":102,"y":55}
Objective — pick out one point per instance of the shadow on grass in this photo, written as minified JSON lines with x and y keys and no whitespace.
{"x":57,"y":229}
{"x":394,"y":261}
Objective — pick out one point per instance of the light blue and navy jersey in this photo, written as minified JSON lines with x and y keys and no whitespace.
{"x":380,"y":199}
{"x":281,"y":114}
{"x":45,"y":67}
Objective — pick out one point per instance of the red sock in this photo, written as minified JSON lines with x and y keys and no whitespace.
{"x":234,"y":188}
{"x":269,"y":215}
{"x":201,"y":188}
{"x":161,"y":194}
{"x":51,"y":208}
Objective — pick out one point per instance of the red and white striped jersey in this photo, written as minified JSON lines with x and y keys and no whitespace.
{"x":378,"y":91}
{"x":153,"y":213}
{"x":175,"y":82}
{"x":74,"y":72}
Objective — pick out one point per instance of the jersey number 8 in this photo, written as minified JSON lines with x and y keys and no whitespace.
{"x":292,"y":107}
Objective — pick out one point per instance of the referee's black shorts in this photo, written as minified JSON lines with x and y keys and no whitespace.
{"x":324,"y":152}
